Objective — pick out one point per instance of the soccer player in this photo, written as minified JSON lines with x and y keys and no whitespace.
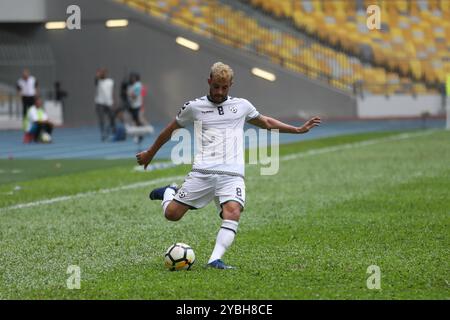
{"x":218,"y":169}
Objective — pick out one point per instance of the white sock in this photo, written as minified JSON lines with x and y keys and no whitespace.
{"x":169,"y":194}
{"x":224,"y":239}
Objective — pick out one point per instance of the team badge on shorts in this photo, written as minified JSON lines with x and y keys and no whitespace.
{"x":182,"y":194}
{"x":233,"y":109}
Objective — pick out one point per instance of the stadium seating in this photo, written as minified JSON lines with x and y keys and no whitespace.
{"x":231,"y":27}
{"x":413,"y":39}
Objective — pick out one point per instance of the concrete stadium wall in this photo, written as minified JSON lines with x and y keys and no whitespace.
{"x":23,"y":11}
{"x":172,"y":73}
{"x":400,"y":106}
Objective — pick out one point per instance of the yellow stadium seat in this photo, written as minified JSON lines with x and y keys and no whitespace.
{"x":398,"y":49}
{"x":416,"y":69}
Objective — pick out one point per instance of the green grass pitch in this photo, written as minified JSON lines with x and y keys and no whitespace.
{"x":309,"y":232}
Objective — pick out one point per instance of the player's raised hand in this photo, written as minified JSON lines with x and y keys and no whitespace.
{"x":311,"y":123}
{"x":144,"y":158}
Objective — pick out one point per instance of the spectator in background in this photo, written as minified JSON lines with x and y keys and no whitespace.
{"x":38,"y":126}
{"x":27,"y":87}
{"x":104,"y":102}
{"x":60,"y":94}
{"x":134,"y":94}
{"x":141,"y":114}
{"x":124,"y":103}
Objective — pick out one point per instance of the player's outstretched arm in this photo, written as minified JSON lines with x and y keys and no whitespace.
{"x":145,"y":157}
{"x":271,"y":123}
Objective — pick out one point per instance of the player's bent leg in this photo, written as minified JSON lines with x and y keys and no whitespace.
{"x":159,"y":193}
{"x":175,"y":211}
{"x":231,"y":213}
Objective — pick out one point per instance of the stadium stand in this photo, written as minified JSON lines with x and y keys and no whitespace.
{"x":412,"y":42}
{"x":214,"y":19}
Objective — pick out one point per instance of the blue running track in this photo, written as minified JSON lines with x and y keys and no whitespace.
{"x":85,"y":143}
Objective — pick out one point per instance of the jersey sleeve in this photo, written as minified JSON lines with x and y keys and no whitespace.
{"x":185,"y":116}
{"x":251,"y":112}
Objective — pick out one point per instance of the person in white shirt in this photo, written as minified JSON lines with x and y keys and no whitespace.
{"x":104,"y":102}
{"x":38,"y":124}
{"x":27,"y":87}
{"x":218,"y":170}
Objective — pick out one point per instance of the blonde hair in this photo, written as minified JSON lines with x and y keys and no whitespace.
{"x":221,"y":71}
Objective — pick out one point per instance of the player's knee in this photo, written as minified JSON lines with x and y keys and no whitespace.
{"x":231,"y":211}
{"x":173,"y":213}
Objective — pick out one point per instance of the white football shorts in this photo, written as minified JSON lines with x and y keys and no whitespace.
{"x":199,"y":189}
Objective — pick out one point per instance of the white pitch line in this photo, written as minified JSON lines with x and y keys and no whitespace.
{"x":90,"y":193}
{"x":170,"y":179}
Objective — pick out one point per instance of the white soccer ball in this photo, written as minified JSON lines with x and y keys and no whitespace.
{"x":179,"y":256}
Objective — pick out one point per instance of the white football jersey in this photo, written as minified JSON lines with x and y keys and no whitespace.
{"x":219,"y":133}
